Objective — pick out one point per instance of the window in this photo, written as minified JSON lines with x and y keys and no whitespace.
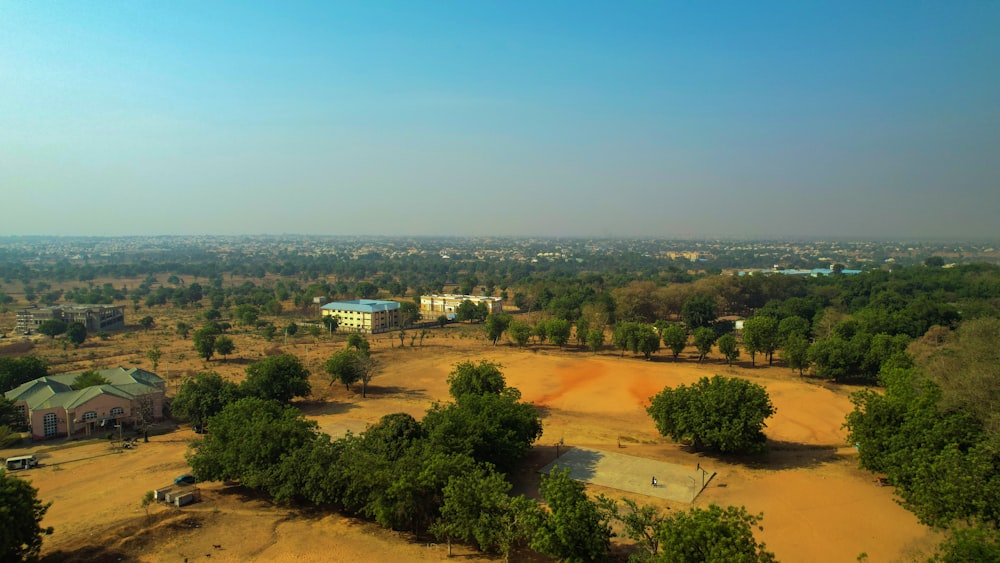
{"x":89,"y":415}
{"x":117,"y":411}
{"x":49,"y":424}
{"x":19,"y":409}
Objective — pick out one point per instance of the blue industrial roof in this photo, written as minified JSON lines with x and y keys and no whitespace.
{"x":362,"y":305}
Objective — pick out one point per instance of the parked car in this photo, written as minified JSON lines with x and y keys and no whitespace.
{"x":186,"y":479}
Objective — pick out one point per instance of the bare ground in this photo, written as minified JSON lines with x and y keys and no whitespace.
{"x":817,"y":505}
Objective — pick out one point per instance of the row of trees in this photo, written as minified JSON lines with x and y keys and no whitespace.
{"x":446,"y":475}
{"x":277,"y":378}
{"x":935,"y":434}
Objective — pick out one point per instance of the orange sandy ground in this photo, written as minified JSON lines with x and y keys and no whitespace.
{"x":818,"y":506}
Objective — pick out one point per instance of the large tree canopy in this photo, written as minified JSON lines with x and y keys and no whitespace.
{"x":281,"y":378}
{"x":933,"y":432}
{"x":722,"y":413}
{"x":711,"y":535}
{"x":249,"y":440}
{"x":15,"y":371}
{"x":202,"y":397}
{"x":497,"y":429}
{"x":479,"y":379}
{"x":344,"y":366}
{"x":20,"y":515}
{"x":574,"y":528}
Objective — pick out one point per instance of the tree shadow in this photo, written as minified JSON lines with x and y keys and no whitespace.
{"x":780,"y":454}
{"x":582,"y":463}
{"x":321,"y":408}
{"x":88,"y":554}
{"x":393,"y":391}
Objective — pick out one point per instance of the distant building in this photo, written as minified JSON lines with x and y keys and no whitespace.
{"x":432,"y":306}
{"x":52,"y":408}
{"x":815,"y":272}
{"x":95,"y":317}
{"x":364,"y":315}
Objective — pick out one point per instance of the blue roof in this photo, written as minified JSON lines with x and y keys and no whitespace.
{"x":361,"y":305}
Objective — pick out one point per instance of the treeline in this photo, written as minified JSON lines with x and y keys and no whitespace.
{"x":935,"y":434}
{"x":444,"y":475}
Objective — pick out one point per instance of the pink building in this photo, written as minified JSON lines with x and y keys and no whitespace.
{"x":52,"y":408}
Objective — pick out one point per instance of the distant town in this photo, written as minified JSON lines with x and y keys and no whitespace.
{"x":700,"y":255}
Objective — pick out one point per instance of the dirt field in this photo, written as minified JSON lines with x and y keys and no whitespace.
{"x":817,"y":505}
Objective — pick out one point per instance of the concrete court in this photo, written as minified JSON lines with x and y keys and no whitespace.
{"x":633,"y":474}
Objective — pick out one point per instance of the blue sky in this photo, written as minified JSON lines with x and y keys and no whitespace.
{"x":660,"y":119}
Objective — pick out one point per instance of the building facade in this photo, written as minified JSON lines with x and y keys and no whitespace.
{"x":364,"y":315}
{"x":52,"y":408}
{"x":95,"y":317}
{"x":432,"y":306}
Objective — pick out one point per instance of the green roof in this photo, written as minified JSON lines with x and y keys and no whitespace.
{"x":55,"y":390}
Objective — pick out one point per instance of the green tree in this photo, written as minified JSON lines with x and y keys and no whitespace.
{"x":675,"y":338}
{"x":704,"y":338}
{"x":409,"y":313}
{"x":20,"y":520}
{"x":760,"y":335}
{"x":476,"y":508}
{"x":344,"y":366}
{"x":699,"y":311}
{"x":331,"y":322}
{"x":558,"y":331}
{"x":480,"y":379}
{"x":183,"y":329}
{"x":520,"y":332}
{"x":712,"y":535}
{"x":147,"y":499}
{"x":204,"y":340}
{"x":15,"y":371}
{"x":76,"y":333}
{"x":202,"y":397}
{"x":979,"y":542}
{"x":153,"y":355}
{"x":88,"y":379}
{"x":249,"y":440}
{"x":466,"y":311}
{"x":496,"y":325}
{"x":224,"y":346}
{"x":729,"y":348}
{"x":722,"y":414}
{"x":639,"y":338}
{"x":358,"y":342}
{"x":280,"y":378}
{"x":795,"y":352}
{"x":641,"y":524}
{"x":52,"y":328}
{"x":792,"y":325}
{"x":9,"y":414}
{"x":582,"y":329}
{"x":595,"y":339}
{"x":497,"y":429}
{"x":541,"y":331}
{"x":574,"y":529}
{"x":147,"y":322}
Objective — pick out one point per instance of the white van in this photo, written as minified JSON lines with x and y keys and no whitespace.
{"x":21,"y":462}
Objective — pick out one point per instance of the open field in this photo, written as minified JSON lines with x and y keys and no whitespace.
{"x":817,"y":505}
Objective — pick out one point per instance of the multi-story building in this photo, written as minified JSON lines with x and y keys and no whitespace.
{"x":364,"y":315}
{"x":95,"y":317}
{"x":432,"y":306}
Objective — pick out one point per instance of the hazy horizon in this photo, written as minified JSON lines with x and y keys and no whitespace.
{"x":771,"y":120}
